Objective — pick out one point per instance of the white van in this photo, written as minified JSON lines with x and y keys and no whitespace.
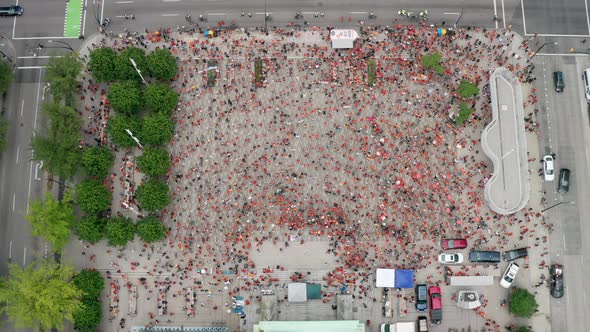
{"x":586,"y":79}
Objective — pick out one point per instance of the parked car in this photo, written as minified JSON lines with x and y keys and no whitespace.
{"x":421,"y":297}
{"x":435,"y":305}
{"x":454,"y":244}
{"x":548,"y":168}
{"x":564,"y":181}
{"x":558,"y":81}
{"x":446,"y":258}
{"x":556,"y":272}
{"x":422,"y":324}
{"x":14,"y":10}
{"x":514,"y":254}
{"x":482,"y":256}
{"x":509,"y":275}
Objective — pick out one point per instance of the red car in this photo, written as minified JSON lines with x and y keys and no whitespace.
{"x":435,"y":304}
{"x":454,"y":244}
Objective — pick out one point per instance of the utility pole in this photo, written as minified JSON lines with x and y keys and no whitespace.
{"x":554,"y":205}
{"x":540,"y":48}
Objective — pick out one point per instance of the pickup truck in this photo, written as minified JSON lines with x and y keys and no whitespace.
{"x":435,"y":304}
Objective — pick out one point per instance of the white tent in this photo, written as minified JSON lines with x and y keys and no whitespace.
{"x":343,"y":38}
{"x":297,"y":292}
{"x":385,"y":278}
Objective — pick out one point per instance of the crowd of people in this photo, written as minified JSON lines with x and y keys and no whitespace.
{"x":380,"y":172}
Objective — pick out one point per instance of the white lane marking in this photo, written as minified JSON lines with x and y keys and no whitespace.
{"x":556,"y":35}
{"x":171,"y":0}
{"x":25,"y":257}
{"x":32,"y":67}
{"x":218,"y":14}
{"x":120,"y":16}
{"x":121,"y":2}
{"x":22,"y":108}
{"x":102,"y":12}
{"x":523,"y":19}
{"x":262,"y":13}
{"x":17,"y":153}
{"x":33,"y":38}
{"x":503,"y":15}
{"x":34,"y":129}
{"x":14,"y":24}
{"x":10,"y":250}
{"x":452,"y":13}
{"x":169,"y":14}
{"x":39,"y":56}
{"x":587,"y":21}
{"x":84,"y":23}
{"x":358,"y":12}
{"x":13,"y":201}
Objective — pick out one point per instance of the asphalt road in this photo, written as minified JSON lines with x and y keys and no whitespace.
{"x":567,"y":133}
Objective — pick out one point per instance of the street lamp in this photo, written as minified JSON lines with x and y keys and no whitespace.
{"x":460,"y":16}
{"x":137,"y":70}
{"x":554,"y":205}
{"x":69,"y":47}
{"x":539,"y":49}
{"x":265,"y":18}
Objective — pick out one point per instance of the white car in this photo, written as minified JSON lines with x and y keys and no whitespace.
{"x":548,"y":168}
{"x":445,"y":258}
{"x":509,"y":275}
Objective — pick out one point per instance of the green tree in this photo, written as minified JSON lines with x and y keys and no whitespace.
{"x":162,"y":64}
{"x":151,"y":229}
{"x":3,"y":130}
{"x":156,"y":129}
{"x":62,"y":75}
{"x":154,"y":161}
{"x":116,"y":130}
{"x":90,"y":282}
{"x":467,"y":89}
{"x":92,"y":196}
{"x":120,"y":231}
{"x":124,"y":68}
{"x":59,"y":148}
{"x":91,"y":228}
{"x":522,"y":303}
{"x":464,"y":113}
{"x":160,"y":97}
{"x":433,"y":61}
{"x":52,"y":220}
{"x":153,"y":195}
{"x":40,"y":296}
{"x":6,"y":76}
{"x":98,"y":160}
{"x":102,"y":64}
{"x":125,"y":97}
{"x":88,"y":317}
{"x":522,"y":329}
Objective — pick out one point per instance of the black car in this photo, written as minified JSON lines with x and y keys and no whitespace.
{"x":421,"y":297}
{"x":558,"y":81}
{"x":564,"y":181}
{"x":556,"y":272}
{"x":514,"y":254}
{"x":14,"y":10}
{"x":481,"y":256}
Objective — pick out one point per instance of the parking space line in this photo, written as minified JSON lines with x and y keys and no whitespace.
{"x":523,"y":19}
{"x":587,"y":18}
{"x":167,"y":15}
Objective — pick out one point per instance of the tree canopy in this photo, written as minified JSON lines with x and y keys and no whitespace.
{"x":151,"y":229}
{"x":154,"y":161}
{"x":3,"y":130}
{"x":62,"y":75}
{"x":6,"y":76}
{"x":90,"y":282}
{"x":160,"y":97}
{"x":153,"y":195}
{"x":464,"y":113}
{"x":125,"y":97}
{"x":433,"y":61}
{"x":116,"y":130}
{"x":467,"y":89}
{"x":156,"y":129}
{"x":120,"y":231}
{"x":91,"y":228}
{"x":522,"y":329}
{"x":88,"y":317}
{"x":124,"y":68}
{"x":98,"y":160}
{"x":102,"y":64}
{"x":162,"y":64}
{"x":40,"y":296}
{"x":52,"y":220}
{"x":92,"y":196}
{"x":59,"y":148}
{"x":522,"y":303}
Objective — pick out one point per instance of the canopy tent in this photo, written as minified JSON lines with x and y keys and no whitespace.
{"x":297,"y":292}
{"x":343,"y":38}
{"x":392,"y":278}
{"x":314,"y":291}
